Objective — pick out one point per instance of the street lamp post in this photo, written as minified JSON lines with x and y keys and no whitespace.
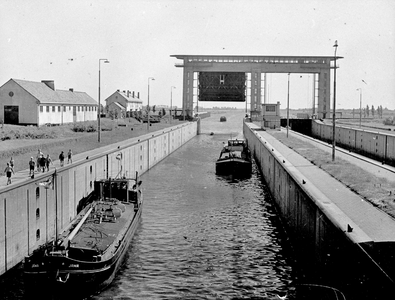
{"x":98,"y":110}
{"x":246,"y":106}
{"x":334,"y":108}
{"x":288,"y":106}
{"x":148,"y":108}
{"x":171,"y":101}
{"x":360,"y":104}
{"x":360,"y":107}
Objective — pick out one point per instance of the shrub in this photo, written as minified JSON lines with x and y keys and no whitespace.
{"x":90,"y":128}
{"x":84,"y":127}
{"x":5,"y":137}
{"x":78,"y":127}
{"x":389,"y":121}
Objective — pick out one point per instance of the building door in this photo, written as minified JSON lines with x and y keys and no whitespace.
{"x":74,"y":113}
{"x":11,"y":114}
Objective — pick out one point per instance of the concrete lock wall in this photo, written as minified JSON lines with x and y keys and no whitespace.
{"x":377,"y":145}
{"x":312,"y":221}
{"x":302,"y":217}
{"x":28,"y":210}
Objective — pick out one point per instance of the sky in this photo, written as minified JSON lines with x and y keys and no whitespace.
{"x":64,"y":40}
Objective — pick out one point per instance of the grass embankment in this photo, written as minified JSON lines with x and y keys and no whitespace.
{"x":368,"y":124}
{"x":22,"y":142}
{"x":377,"y":191}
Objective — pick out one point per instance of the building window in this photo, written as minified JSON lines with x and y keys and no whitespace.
{"x":78,"y":108}
{"x":64,"y":108}
{"x":38,"y":234}
{"x":47,"y":108}
{"x":37,"y":193}
{"x":58,"y":108}
{"x":53,"y":108}
{"x":270,"y":108}
{"x":37,"y":213}
{"x":41,"y":109}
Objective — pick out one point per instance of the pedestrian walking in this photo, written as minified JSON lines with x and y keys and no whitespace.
{"x":42,"y":163}
{"x":61,"y":158}
{"x":38,"y":158}
{"x":70,"y":157}
{"x":8,"y":172}
{"x":12,"y":163}
{"x":32,"y":164}
{"x":48,"y":161}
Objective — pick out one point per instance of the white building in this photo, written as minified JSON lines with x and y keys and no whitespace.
{"x":124,"y":101}
{"x":37,"y":103}
{"x":271,"y":115}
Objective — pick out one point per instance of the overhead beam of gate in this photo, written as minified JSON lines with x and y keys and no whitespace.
{"x":256,"y":65}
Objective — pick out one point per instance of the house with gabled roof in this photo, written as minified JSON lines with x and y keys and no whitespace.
{"x":25,"y":102}
{"x":121,"y":102}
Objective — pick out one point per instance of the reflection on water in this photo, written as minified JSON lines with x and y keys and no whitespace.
{"x":203,"y":236}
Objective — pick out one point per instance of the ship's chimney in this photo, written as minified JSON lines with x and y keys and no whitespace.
{"x":138,"y":95}
{"x":49,"y":83}
{"x":133,"y":94}
{"x":71,"y":89}
{"x":128,"y":93}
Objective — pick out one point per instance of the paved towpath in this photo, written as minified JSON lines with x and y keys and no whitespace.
{"x":23,"y":175}
{"x":372,"y":223}
{"x":372,"y":166}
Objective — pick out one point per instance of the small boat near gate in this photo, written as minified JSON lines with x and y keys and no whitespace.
{"x":234,"y":159}
{"x":84,"y":258}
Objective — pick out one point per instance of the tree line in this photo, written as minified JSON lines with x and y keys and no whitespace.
{"x":370,"y":111}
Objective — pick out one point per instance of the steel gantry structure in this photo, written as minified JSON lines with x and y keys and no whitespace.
{"x":255,"y":68}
